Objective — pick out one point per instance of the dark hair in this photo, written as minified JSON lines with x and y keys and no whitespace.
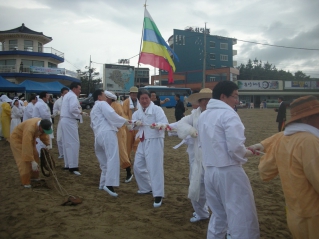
{"x":32,"y":97}
{"x":45,"y":124}
{"x":178,"y":96}
{"x":282,"y":98}
{"x":43,"y":94}
{"x":224,"y":87}
{"x":143,"y":92}
{"x":64,"y":88}
{"x":151,"y":92}
{"x":75,"y":85}
{"x":97,"y":93}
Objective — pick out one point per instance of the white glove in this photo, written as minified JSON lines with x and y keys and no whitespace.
{"x":128,"y":122}
{"x":193,"y":133}
{"x":130,"y":127}
{"x":58,"y":113}
{"x":48,"y":147}
{"x":152,"y":126}
{"x":138,"y":123}
{"x":249,"y":153}
{"x":35,"y":166}
{"x":160,"y":126}
{"x":258,"y":147}
{"x":52,"y":116}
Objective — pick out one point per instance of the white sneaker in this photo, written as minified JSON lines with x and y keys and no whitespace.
{"x":61,"y":157}
{"x":27,"y":186}
{"x":196,"y":218}
{"x":140,"y":192}
{"x":158,"y":204}
{"x":76,"y":173}
{"x":129,"y":180}
{"x":113,"y":194}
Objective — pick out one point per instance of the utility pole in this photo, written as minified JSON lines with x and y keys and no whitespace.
{"x":90,"y":72}
{"x":160,"y":77}
{"x":204,"y":59}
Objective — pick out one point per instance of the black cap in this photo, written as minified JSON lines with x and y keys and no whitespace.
{"x":46,"y":126}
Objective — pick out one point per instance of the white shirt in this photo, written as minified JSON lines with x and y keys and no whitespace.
{"x":28,"y":111}
{"x":57,"y":106}
{"x":41,"y":110}
{"x":103,"y":117}
{"x":16,"y":112}
{"x":71,"y":107}
{"x":152,"y":114}
{"x":221,"y":135}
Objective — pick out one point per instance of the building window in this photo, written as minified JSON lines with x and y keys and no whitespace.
{"x":52,"y":65}
{"x":8,"y":62}
{"x":212,"y":79}
{"x":224,"y":46}
{"x":184,"y":40}
{"x":212,"y":56}
{"x":212,"y":44}
{"x":13,"y":45}
{"x":212,"y":66}
{"x":109,"y":85}
{"x":32,"y":63}
{"x":176,"y":39}
{"x":28,"y":45}
{"x":224,"y":57}
{"x":40,"y":47}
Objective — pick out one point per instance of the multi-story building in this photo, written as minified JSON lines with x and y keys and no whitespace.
{"x":189,"y":46}
{"x":142,"y":76}
{"x":24,"y":56}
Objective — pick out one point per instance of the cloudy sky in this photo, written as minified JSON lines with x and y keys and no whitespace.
{"x":109,"y":30}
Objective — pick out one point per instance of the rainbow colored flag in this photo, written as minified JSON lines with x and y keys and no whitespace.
{"x":155,"y":51}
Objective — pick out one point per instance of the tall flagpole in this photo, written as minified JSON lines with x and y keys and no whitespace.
{"x":139,"y":55}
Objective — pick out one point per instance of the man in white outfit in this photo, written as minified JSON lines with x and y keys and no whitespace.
{"x":57,"y":111}
{"x":188,"y":126}
{"x":28,"y":111}
{"x":148,"y":165}
{"x":42,"y":110}
{"x":71,"y":113}
{"x":105,"y":123}
{"x":228,"y":191}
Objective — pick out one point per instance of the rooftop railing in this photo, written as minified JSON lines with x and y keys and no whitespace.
{"x":13,"y":47}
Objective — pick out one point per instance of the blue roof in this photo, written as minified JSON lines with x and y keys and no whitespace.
{"x":6,"y":86}
{"x":37,"y":87}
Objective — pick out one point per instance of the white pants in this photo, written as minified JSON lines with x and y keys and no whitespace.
{"x":230,"y":197}
{"x":59,"y":139}
{"x":70,"y":137}
{"x":107,"y":152}
{"x":148,"y":166}
{"x":199,"y":206}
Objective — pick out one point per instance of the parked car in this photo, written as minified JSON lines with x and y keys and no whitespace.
{"x":242,"y":104}
{"x":87,"y":103}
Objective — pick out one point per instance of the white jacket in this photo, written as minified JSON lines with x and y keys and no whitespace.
{"x":221,"y":135}
{"x":152,"y":114}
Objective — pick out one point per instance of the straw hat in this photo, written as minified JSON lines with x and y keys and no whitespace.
{"x":303,"y":107}
{"x":133,"y":89}
{"x":203,"y":94}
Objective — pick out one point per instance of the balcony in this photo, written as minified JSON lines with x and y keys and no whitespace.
{"x":28,"y":48}
{"x":234,"y":52}
{"x":45,"y":70}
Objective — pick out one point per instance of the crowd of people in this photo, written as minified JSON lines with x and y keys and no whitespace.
{"x":219,"y":188}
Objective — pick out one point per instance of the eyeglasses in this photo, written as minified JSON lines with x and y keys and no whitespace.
{"x":235,"y":97}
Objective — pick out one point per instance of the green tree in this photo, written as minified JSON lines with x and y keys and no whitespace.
{"x":90,"y":80}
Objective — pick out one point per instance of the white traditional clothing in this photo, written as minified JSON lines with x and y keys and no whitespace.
{"x":105,"y":123}
{"x":148,"y":165}
{"x":70,"y":114}
{"x":56,"y":111}
{"x":42,"y":110}
{"x":196,"y":191}
{"x":16,"y":114}
{"x":228,"y":191}
{"x":28,"y":111}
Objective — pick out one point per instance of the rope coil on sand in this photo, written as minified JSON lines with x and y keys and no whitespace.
{"x":47,"y":163}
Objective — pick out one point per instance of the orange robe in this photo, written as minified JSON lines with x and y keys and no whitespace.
{"x":22,"y":143}
{"x":6,"y":120}
{"x":131,"y":142}
{"x":121,"y":137}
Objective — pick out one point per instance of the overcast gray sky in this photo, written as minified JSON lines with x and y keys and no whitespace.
{"x":109,"y":30}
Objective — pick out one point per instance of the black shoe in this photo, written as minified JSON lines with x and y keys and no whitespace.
{"x":157,"y":202}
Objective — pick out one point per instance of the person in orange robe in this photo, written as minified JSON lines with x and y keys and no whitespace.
{"x":121,"y":137}
{"x":130,"y":105}
{"x":22,"y":143}
{"x":6,"y":117}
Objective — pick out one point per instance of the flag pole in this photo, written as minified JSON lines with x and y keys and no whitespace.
{"x":139,"y":56}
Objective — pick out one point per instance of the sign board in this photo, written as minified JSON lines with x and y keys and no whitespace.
{"x":118,"y":78}
{"x":259,"y":85}
{"x":301,"y":85}
{"x":47,"y":70}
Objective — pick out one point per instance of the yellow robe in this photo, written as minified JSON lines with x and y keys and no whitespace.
{"x":6,"y":120}
{"x":121,"y":137}
{"x":296,"y":159}
{"x":131,"y":142}
{"x":22,"y":143}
